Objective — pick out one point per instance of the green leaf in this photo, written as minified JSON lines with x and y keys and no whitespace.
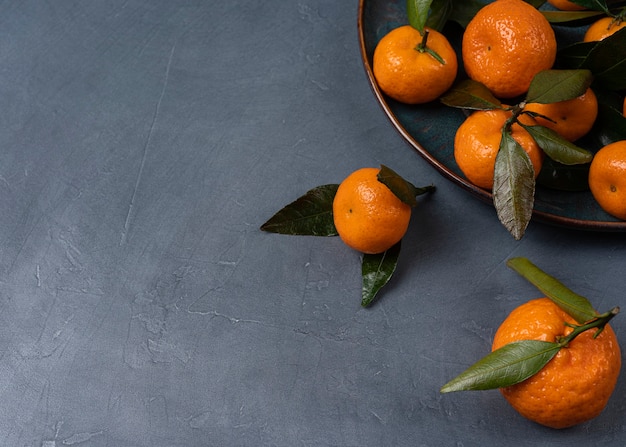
{"x":472,"y":95}
{"x":465,"y":10}
{"x":311,"y":214}
{"x":513,"y":186}
{"x":440,"y":11}
{"x":402,"y":188}
{"x":610,"y":124}
{"x":572,"y":178}
{"x":512,"y":363}
{"x":596,"y":5}
{"x":550,"y":86}
{"x":376,"y":271}
{"x":571,"y":18}
{"x":535,"y":3}
{"x":575,"y":56}
{"x":417,"y":12}
{"x":607,"y":61}
{"x":573,"y":304}
{"x":558,"y":148}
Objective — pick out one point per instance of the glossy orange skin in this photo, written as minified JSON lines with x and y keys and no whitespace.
{"x":607,"y":178}
{"x":575,"y":386}
{"x":408,"y":75}
{"x":573,"y":118}
{"x":506,"y":44}
{"x":566,"y":5}
{"x":477,"y":141}
{"x":367,"y":215}
{"x":602,"y":29}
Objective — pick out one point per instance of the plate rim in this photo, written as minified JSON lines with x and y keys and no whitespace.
{"x":479,"y":193}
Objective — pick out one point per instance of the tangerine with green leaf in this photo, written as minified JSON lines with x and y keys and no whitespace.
{"x":573,"y":387}
{"x":477,"y":142}
{"x":572,"y":119}
{"x":368,"y":216}
{"x":412,"y":67}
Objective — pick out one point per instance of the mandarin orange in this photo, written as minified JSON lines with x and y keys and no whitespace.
{"x":368,"y":216}
{"x":573,"y":387}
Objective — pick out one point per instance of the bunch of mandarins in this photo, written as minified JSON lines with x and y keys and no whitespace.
{"x":504,"y":45}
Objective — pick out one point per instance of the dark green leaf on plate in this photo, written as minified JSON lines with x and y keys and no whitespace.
{"x":610,"y":124}
{"x":513,"y":186}
{"x":376,"y":271}
{"x":464,"y":10}
{"x":572,"y":178}
{"x":512,"y":363}
{"x":606,"y":59}
{"x":440,"y":11}
{"x":572,"y":303}
{"x":558,"y":148}
{"x":309,"y":215}
{"x":595,"y":5}
{"x":550,"y":86}
{"x":472,"y":95}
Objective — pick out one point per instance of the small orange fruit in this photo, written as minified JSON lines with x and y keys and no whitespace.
{"x":506,"y":44}
{"x":603,"y":28}
{"x":607,"y":178}
{"x":477,"y":142}
{"x":577,"y":383}
{"x":368,"y":216}
{"x":572,"y":118}
{"x":566,"y":5}
{"x":408,"y":73}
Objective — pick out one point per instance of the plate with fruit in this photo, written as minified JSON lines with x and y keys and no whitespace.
{"x":555,"y":191}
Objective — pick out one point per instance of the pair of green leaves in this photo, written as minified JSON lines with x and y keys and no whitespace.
{"x":514,"y":177}
{"x":517,"y":361}
{"x":312,"y":215}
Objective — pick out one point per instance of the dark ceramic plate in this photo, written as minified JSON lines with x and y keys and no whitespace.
{"x":430,"y":130}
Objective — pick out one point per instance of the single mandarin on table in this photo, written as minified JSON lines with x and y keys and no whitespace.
{"x":607,"y":178}
{"x":603,"y":28}
{"x":477,"y":142}
{"x":368,"y":216}
{"x":573,"y":387}
{"x":571,"y":119}
{"x":506,"y":44}
{"x":409,"y":74}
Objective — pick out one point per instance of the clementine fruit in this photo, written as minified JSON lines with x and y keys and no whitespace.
{"x":506,"y":44}
{"x":477,"y":142}
{"x":566,"y":5}
{"x":577,"y":383}
{"x":368,"y":216}
{"x":406,"y":70}
{"x":603,"y":28}
{"x":571,"y":119}
{"x":607,"y":178}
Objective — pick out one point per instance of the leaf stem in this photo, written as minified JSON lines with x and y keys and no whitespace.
{"x":422,"y":47}
{"x":598,"y":323}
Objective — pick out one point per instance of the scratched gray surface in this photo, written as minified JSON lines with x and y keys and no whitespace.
{"x":142,"y":143}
